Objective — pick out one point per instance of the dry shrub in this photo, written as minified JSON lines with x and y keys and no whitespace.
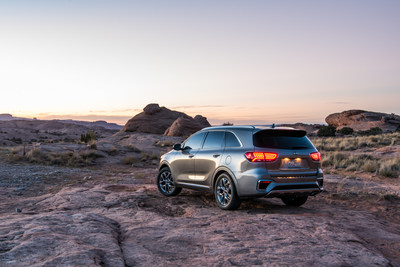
{"x":370,"y":166}
{"x":390,"y":168}
{"x":70,"y":159}
{"x":132,"y":148}
{"x":129,"y":160}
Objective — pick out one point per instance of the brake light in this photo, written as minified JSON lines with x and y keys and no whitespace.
{"x":315,"y":156}
{"x":261,"y":156}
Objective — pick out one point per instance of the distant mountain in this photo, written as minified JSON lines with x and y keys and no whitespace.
{"x":103,"y":124}
{"x":9,"y":117}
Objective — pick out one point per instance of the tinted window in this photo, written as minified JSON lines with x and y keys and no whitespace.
{"x":214,"y":140}
{"x":194,"y":142}
{"x":284,"y":139}
{"x":231,"y":140}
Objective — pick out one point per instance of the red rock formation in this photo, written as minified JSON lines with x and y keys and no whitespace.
{"x":364,"y":120}
{"x":186,"y":126}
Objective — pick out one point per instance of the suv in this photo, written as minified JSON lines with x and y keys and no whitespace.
{"x":239,"y":162}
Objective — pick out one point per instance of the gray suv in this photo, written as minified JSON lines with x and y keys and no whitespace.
{"x":239,"y":162}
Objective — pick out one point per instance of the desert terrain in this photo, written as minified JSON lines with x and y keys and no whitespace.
{"x":91,"y":200}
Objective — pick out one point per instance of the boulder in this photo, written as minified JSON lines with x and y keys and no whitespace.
{"x":364,"y":120}
{"x":154,"y":119}
{"x":185,"y":126}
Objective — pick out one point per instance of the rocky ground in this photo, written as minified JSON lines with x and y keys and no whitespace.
{"x":114,"y":216}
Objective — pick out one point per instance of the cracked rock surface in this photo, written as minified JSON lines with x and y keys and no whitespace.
{"x":101,"y":223}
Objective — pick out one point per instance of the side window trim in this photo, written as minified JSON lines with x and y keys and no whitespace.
{"x":205,"y":138}
{"x":201,"y":143}
{"x":237,"y":138}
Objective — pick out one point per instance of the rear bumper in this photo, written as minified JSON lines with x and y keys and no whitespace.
{"x":248,"y":184}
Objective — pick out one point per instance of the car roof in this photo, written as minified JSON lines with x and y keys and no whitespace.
{"x":254,"y":128}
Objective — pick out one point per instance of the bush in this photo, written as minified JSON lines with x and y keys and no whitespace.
{"x":87,"y":137}
{"x":372,"y":131}
{"x":346,"y":131}
{"x":327,"y":131}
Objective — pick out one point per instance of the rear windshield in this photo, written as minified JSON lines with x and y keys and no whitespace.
{"x":283,"y":139}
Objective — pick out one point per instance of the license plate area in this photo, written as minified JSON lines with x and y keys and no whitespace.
{"x":291,"y":163}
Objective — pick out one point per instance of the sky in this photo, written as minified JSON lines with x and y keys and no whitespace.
{"x":246,"y":62}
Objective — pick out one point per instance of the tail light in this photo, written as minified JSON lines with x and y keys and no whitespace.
{"x":261,"y":156}
{"x":315,"y":156}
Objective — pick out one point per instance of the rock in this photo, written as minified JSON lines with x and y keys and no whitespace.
{"x":154,"y":119}
{"x":364,"y":120}
{"x":187,"y":126}
{"x":151,"y":109}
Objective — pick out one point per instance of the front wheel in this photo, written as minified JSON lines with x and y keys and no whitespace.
{"x":165,"y":183}
{"x":294,"y":201}
{"x":225,"y":193}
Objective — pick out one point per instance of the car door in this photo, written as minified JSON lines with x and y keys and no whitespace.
{"x":208,"y":158}
{"x":182,"y":167}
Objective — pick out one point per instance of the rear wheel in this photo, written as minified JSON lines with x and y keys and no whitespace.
{"x":165,"y":183}
{"x":225,"y":193}
{"x":296,"y":201}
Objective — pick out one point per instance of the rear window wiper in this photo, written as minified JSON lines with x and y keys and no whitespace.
{"x":300,"y":147}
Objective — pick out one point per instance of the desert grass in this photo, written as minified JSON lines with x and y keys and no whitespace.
{"x":387,"y":167}
{"x":351,"y":143}
{"x":70,"y":159}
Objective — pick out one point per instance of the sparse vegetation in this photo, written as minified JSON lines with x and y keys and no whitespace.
{"x":227,"y":124}
{"x":70,"y":159}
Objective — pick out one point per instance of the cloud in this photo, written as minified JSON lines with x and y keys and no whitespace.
{"x":339,"y":103}
{"x":195,"y":107}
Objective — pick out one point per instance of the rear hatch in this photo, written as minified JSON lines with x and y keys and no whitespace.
{"x":293,"y":151}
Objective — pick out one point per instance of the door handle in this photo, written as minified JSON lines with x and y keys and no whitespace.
{"x":191,"y":156}
{"x":216,"y":155}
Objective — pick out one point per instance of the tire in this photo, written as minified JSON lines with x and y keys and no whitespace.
{"x":295,"y":201}
{"x":165,"y":183}
{"x":225,"y":193}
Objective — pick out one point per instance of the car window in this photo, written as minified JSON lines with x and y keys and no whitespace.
{"x":231,"y":140}
{"x":284,"y":139}
{"x":214,"y":140}
{"x":194,"y":142}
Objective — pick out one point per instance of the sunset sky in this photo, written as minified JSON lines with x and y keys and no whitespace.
{"x":239,"y":61}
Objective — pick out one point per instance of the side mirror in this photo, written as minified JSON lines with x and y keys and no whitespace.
{"x":177,"y":147}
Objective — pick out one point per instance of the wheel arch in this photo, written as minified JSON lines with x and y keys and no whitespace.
{"x":221,"y":170}
{"x":163,"y":165}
